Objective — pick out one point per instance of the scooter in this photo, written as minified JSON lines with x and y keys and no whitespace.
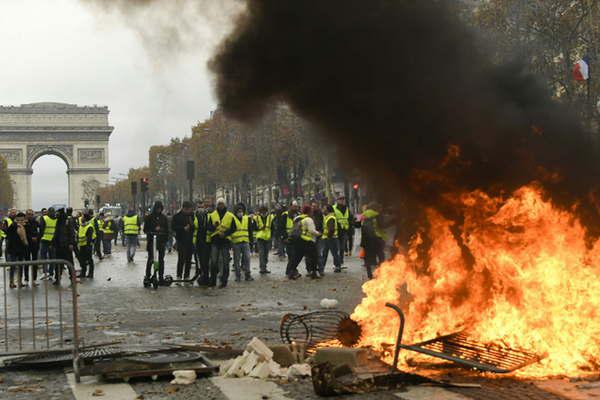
{"x":153,"y":280}
{"x":168,"y":280}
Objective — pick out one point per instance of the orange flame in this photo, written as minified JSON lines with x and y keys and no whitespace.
{"x":516,"y":271}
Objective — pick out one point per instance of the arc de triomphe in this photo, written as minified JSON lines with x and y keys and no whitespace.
{"x":78,"y":135}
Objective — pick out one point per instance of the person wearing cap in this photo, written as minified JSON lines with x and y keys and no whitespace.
{"x":345,"y":221}
{"x":185,"y":226}
{"x":286,"y":224}
{"x":219,"y":229}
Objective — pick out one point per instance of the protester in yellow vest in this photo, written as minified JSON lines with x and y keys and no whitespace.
{"x":372,"y":238}
{"x":345,"y":221}
{"x":85,"y":244}
{"x":330,"y":242}
{"x":304,"y":236}
{"x":240,"y":240}
{"x":286,"y":223}
{"x":131,"y":230}
{"x":219,"y":229}
{"x":264,"y":225}
{"x":47,"y":230}
{"x":108,"y":228}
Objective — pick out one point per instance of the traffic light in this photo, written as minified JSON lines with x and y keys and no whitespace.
{"x":86,"y":203}
{"x":144,"y":184}
{"x":355,"y":187}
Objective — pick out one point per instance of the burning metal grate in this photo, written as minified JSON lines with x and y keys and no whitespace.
{"x":318,"y":327}
{"x":459,"y":348}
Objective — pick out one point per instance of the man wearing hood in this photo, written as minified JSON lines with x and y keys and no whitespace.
{"x":156,"y":227}
{"x":131,"y":230}
{"x":219,"y":229}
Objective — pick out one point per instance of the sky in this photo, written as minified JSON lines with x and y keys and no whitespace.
{"x":68,"y":51}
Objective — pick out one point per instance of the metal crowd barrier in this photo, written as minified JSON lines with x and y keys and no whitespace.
{"x":17,"y":341}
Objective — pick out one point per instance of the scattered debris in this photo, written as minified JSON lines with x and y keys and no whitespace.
{"x":185,"y":377}
{"x":98,"y":393}
{"x":298,"y":371}
{"x":329,"y":303}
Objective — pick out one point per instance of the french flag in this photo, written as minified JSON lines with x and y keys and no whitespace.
{"x":581,"y":71}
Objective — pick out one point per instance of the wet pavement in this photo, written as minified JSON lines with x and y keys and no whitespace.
{"x":115,"y":306}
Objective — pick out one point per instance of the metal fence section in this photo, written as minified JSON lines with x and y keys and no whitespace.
{"x":33,"y":319}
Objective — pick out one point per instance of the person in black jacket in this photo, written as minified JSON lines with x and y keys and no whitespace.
{"x":202,"y":245}
{"x":16,"y":246}
{"x":64,"y":242}
{"x":183,"y":226}
{"x":156,"y":226}
{"x":32,"y":227}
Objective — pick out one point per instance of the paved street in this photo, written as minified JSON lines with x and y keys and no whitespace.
{"x":115,"y":306}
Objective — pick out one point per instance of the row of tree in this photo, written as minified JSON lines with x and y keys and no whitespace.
{"x":280,"y":152}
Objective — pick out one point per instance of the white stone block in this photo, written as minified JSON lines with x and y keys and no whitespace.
{"x":258,"y":347}
{"x":184,"y":377}
{"x":236,"y":367}
{"x":298,"y":371}
{"x":251,"y":360}
{"x":261,"y":371}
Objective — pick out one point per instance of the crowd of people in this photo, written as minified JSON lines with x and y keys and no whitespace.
{"x":207,"y":235}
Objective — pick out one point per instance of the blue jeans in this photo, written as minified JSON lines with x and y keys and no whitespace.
{"x":263,"y":253}
{"x":131,"y":246}
{"x":46,"y":253}
{"x":330,"y":245}
{"x":241,"y":258}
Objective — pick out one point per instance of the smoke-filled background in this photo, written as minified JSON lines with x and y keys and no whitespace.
{"x":395,"y":83}
{"x":402,"y":87}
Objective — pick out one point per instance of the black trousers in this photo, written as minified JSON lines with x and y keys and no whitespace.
{"x":185,"y":251}
{"x":374,"y":254}
{"x":32,"y":255}
{"x":62,"y":253}
{"x":203,"y":257}
{"x":343,"y":238}
{"x":308,"y":251}
{"x":86,"y":261}
{"x":290,"y":249}
{"x":160,"y":247}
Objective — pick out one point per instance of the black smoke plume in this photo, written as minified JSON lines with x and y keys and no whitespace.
{"x":403,"y":87}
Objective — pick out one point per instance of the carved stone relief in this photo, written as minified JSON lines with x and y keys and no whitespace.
{"x":33,"y":150}
{"x":12,"y":156}
{"x":91,"y":156}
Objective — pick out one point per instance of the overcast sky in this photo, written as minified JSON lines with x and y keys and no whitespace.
{"x":64,"y":51}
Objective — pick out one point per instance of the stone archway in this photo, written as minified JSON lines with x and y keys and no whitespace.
{"x":78,"y":135}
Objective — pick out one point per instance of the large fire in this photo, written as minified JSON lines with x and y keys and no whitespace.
{"x":517,"y":271}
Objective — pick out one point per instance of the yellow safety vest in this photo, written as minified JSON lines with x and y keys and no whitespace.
{"x":289,"y":222}
{"x":223,"y":225}
{"x":49,"y":228}
{"x":196,"y":227}
{"x":326,"y":220}
{"x":372,"y":214}
{"x":130,"y":225}
{"x":106,"y":227}
{"x":342,"y":219}
{"x":82,"y":234}
{"x":241,"y":234}
{"x":8,"y":223}
{"x":304,"y":235}
{"x":263,"y":228}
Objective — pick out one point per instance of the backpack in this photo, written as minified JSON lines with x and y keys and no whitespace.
{"x":368,"y":228}
{"x":297,"y":228}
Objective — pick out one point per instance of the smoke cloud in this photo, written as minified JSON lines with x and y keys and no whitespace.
{"x":403,"y":87}
{"x":168,"y":28}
